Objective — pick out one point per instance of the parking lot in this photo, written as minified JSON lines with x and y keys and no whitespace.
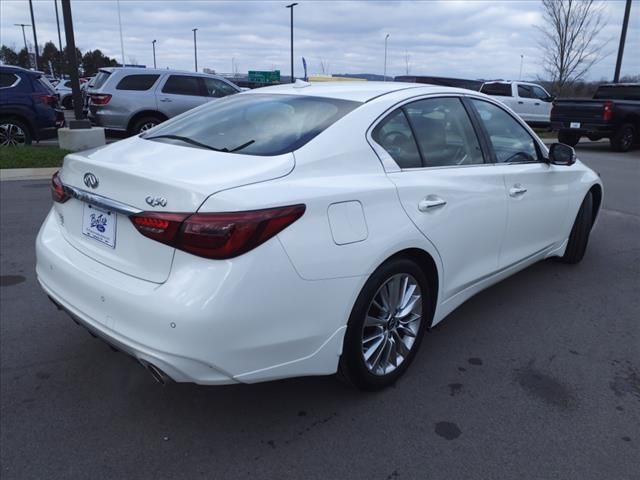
{"x":537,"y":377}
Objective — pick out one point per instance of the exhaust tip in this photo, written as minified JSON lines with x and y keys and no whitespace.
{"x":157,"y":374}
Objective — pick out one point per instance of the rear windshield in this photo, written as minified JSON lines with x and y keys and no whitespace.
{"x":46,"y":85}
{"x":618,"y":92}
{"x":497,"y":89}
{"x":99,"y":79}
{"x":254,"y":124}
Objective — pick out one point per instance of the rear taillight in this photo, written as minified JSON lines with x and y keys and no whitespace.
{"x":51,"y":100}
{"x":216,"y":235}
{"x":57,"y":189}
{"x":100,"y":98}
{"x":607,"y":111}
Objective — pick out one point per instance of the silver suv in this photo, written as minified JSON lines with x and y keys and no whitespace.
{"x":133,"y":100}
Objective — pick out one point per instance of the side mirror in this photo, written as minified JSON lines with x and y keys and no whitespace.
{"x":550,"y":98}
{"x":561,"y":154}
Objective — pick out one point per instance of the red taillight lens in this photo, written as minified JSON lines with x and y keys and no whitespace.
{"x":607,"y":111}
{"x":57,"y":189}
{"x":216,"y":235}
{"x":50,"y":100}
{"x":100,"y":98}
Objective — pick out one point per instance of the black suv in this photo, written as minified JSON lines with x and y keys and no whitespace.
{"x":28,"y":107}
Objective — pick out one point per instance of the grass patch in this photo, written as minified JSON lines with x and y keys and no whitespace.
{"x":31,"y":156}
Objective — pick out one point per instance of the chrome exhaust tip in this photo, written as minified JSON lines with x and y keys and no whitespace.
{"x":157,"y":374}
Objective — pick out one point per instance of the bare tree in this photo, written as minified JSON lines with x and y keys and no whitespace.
{"x":407,"y":60}
{"x":570,"y":39}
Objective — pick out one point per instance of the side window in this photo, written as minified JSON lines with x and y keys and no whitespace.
{"x":511,"y":142}
{"x":395,"y":136}
{"x":497,"y":89}
{"x":444,"y":132}
{"x":539,"y":93}
{"x":183,"y":85}
{"x":525,"y":91}
{"x":8,"y":80}
{"x":137,"y":82}
{"x":218,"y":88}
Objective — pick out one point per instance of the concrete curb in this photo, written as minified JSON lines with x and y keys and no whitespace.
{"x":9,"y":174}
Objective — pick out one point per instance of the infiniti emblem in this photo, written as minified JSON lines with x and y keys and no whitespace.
{"x":90,"y":180}
{"x":156,"y":201}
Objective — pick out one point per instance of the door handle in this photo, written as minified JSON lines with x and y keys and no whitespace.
{"x":165,"y":99}
{"x":430,"y":203}
{"x":517,"y":190}
{"x":520,"y":102}
{"x":537,"y":103}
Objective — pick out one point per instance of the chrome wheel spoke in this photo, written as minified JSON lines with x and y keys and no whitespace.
{"x":391,"y":324}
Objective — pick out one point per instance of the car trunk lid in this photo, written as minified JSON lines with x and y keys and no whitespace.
{"x":141,"y":175}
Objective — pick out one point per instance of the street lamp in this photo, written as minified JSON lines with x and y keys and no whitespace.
{"x":61,"y":57}
{"x":154,"y":53}
{"x":385,"y":57}
{"x":35,"y":38}
{"x":521,"y":62}
{"x":291,"y":8}
{"x":623,"y":37}
{"x":23,"y":35}
{"x":195,"y":47}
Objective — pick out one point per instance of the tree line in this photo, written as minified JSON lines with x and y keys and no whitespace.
{"x":89,"y":62}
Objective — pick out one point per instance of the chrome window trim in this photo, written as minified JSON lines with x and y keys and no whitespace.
{"x":100,"y":201}
{"x":18,"y":80}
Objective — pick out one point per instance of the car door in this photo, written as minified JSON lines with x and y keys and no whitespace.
{"x":526,"y":102}
{"x":537,"y":192}
{"x":180,"y":93}
{"x":445,"y":186}
{"x":542,"y":104}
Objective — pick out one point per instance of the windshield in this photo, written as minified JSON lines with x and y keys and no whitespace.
{"x":254,"y":124}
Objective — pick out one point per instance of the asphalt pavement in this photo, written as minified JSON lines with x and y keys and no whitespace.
{"x":537,"y":377}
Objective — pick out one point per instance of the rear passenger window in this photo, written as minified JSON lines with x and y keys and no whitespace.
{"x":444,"y":132}
{"x":395,"y":136}
{"x":136,"y":82}
{"x":497,"y":89}
{"x":511,"y":142}
{"x":183,"y":85}
{"x":7,"y":79}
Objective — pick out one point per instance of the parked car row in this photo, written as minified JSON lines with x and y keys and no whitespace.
{"x":29,"y":108}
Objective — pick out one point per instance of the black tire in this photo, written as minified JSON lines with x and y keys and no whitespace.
{"x":579,"y":236}
{"x":144,"y":123}
{"x":352,"y":367}
{"x":568,"y":138}
{"x":67,"y":102}
{"x":624,"y":138}
{"x":10,"y":137}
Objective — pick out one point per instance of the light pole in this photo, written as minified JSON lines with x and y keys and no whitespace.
{"x":154,"y":53}
{"x":23,"y":35}
{"x":521,"y":62}
{"x":79,"y":123}
{"x":55,"y":2}
{"x":120,"y":25}
{"x":623,"y":37}
{"x":195,"y":48}
{"x":35,"y":38}
{"x":291,"y":8}
{"x":385,"y":57}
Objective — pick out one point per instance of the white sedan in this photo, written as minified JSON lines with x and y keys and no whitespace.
{"x":306,"y":229}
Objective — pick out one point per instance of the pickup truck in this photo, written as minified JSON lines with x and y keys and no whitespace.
{"x":613,"y":113}
{"x":529,"y":100}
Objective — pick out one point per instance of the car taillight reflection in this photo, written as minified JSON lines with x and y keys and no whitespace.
{"x":216,"y":235}
{"x":57,"y":189}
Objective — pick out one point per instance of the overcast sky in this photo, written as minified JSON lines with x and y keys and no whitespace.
{"x":472,"y":39}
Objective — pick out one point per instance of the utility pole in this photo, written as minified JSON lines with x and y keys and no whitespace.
{"x":623,"y":37}
{"x":385,"y":57}
{"x":35,"y":38}
{"x":73,"y":68}
{"x":120,"y":25}
{"x":55,"y":2}
{"x":195,"y":48}
{"x":291,"y":8}
{"x":154,"y":53}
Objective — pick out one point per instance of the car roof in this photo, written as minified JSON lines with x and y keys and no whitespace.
{"x":159,"y":71}
{"x":350,"y":90}
{"x":13,"y":68}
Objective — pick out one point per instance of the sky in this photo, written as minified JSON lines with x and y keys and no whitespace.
{"x":467,"y":39}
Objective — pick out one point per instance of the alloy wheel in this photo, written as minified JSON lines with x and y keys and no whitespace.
{"x":147,"y":126}
{"x":392,"y":324}
{"x":11,"y":135}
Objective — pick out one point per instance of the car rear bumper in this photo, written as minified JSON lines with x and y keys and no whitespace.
{"x":586,"y":129}
{"x":212,"y":322}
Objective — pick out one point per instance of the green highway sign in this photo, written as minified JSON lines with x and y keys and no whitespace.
{"x":264,"y":76}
